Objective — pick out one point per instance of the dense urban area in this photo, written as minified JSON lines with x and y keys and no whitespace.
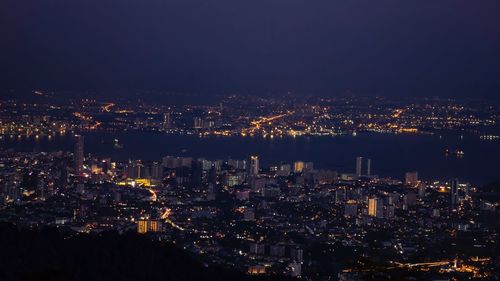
{"x":282,"y":219}
{"x":290,"y":115}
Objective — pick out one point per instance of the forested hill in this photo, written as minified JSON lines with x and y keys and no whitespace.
{"x":52,"y":254}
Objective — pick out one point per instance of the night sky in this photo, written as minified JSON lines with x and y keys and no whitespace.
{"x":439,"y":47}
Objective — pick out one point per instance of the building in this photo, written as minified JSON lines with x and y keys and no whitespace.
{"x":270,"y":192}
{"x":256,"y":269}
{"x":411,"y":178}
{"x":231,"y":180}
{"x":326,"y":176}
{"x":351,"y":209}
{"x":467,"y":189}
{"x":359,"y":165}
{"x":454,"y":193}
{"x":242,"y":195}
{"x":166,"y":121}
{"x":340,"y":195}
{"x":297,"y":254}
{"x":421,"y":190}
{"x":145,"y":226}
{"x":156,"y":171}
{"x":375,"y":207}
{"x":368,"y":167}
{"x":298,"y":167}
{"x":253,"y":166}
{"x":410,"y":199}
{"x":196,"y":173}
{"x":198,"y":123}
{"x":171,"y":162}
{"x":257,"y":248}
{"x":277,"y":250}
{"x":435,"y":213}
{"x":284,"y":170}
{"x":390,"y":211}
{"x":78,"y":154}
{"x":136,"y":170}
{"x":308,"y":166}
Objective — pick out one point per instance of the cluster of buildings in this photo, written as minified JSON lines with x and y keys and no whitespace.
{"x":288,"y":219}
{"x":289,"y":115}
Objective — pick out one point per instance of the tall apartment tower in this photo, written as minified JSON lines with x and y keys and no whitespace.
{"x":198,"y":123}
{"x":298,"y":166}
{"x":368,"y":167}
{"x":253,"y":165}
{"x":78,"y":154}
{"x":454,"y":192}
{"x":375,"y":207}
{"x":166,"y":121}
{"x":359,"y":165}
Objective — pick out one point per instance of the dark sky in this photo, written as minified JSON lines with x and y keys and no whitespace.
{"x":399,"y":47}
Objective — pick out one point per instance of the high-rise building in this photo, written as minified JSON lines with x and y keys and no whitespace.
{"x":359,"y":165}
{"x":390,"y":212}
{"x":78,"y":154}
{"x":308,"y":166}
{"x":454,"y":192}
{"x":198,"y":123}
{"x":277,"y":250}
{"x":298,"y":167}
{"x":297,"y":254}
{"x":411,"y":178}
{"x":253,"y":166}
{"x":106,"y":165}
{"x":212,"y":176}
{"x":410,"y":199}
{"x":166,"y":121}
{"x":340,"y":195}
{"x":196,"y":173}
{"x":421,"y":190}
{"x":467,"y":189}
{"x":372,"y":207}
{"x":368,"y":167}
{"x":136,"y":170}
{"x":351,"y":209}
{"x":145,"y":226}
{"x":257,"y":248}
{"x":435,"y":213}
{"x":156,"y":171}
{"x":375,"y":207}
{"x":284,"y":170}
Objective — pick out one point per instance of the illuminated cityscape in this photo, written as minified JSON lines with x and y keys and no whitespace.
{"x":262,"y":140}
{"x":289,"y":115}
{"x":242,"y":214}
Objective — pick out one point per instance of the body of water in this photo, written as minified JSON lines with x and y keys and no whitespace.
{"x":391,"y":155}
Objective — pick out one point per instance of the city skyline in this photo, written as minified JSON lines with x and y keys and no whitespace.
{"x":264,"y":186}
{"x":263,"y":140}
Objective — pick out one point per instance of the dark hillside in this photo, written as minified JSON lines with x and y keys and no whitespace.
{"x":52,"y":254}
